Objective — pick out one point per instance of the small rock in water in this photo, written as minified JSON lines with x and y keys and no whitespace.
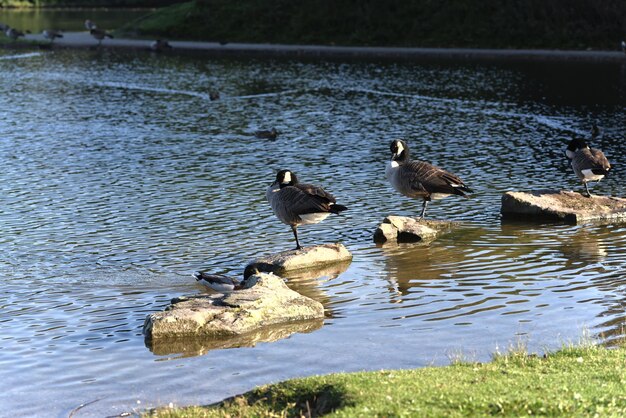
{"x":406,"y":229}
{"x":305,"y":258}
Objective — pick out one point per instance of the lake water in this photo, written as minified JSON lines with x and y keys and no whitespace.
{"x":120,"y":178}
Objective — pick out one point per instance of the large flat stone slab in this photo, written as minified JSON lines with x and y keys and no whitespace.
{"x":264,"y":300}
{"x":406,"y":229}
{"x":563,"y":206}
{"x":305,"y":258}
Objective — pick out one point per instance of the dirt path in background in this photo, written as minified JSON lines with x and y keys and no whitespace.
{"x":84,"y":40}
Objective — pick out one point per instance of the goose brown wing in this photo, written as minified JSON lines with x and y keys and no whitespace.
{"x":599,"y":159}
{"x":305,"y":198}
{"x":423,"y":176}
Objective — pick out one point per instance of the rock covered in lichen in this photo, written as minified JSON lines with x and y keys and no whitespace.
{"x":264,"y":300}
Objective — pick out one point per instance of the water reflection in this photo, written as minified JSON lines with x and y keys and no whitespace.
{"x":189,"y":347}
{"x":312,"y":283}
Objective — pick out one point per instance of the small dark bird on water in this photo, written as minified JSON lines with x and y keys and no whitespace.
{"x":297,"y":203}
{"x":218,"y":282}
{"x":214,"y":95}
{"x":271,"y":134}
{"x":589,"y":164}
{"x":419,"y":179}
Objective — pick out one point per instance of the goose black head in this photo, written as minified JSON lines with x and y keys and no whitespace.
{"x":286,"y":178}
{"x":399,"y":150}
{"x":575,"y":145}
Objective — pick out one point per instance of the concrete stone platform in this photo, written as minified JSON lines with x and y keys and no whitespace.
{"x":563,"y":206}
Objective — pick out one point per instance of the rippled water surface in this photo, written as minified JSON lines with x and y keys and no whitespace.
{"x":120,"y":177}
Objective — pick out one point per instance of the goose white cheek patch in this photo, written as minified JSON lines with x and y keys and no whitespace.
{"x":400,"y":148}
{"x":287,"y":178}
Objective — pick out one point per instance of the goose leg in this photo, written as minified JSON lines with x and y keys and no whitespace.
{"x":295,"y":234}
{"x":423,"y":210}
{"x":587,"y":189}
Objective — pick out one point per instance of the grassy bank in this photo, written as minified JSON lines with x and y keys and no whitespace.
{"x":583,"y":381}
{"x":565,"y":24}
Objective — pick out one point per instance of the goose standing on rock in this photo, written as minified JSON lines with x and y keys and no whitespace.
{"x":218,"y":282}
{"x":589,"y":164}
{"x":297,"y":204}
{"x":419,"y":179}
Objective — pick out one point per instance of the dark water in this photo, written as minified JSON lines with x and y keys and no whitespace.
{"x":120,"y":177}
{"x":36,"y":20}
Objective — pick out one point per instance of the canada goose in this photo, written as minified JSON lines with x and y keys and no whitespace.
{"x":419,"y":179}
{"x":218,"y":282}
{"x":90,"y":25}
{"x":272,"y":134}
{"x":100,"y":34}
{"x":299,"y":204}
{"x":589,"y":164}
{"x":13,"y":33}
{"x":52,"y":34}
{"x":160,"y":45}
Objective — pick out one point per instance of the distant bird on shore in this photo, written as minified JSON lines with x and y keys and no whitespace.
{"x":160,"y":45}
{"x":589,"y":164}
{"x":218,"y":282}
{"x":271,"y":134}
{"x":100,"y":34}
{"x":13,"y":33}
{"x":297,"y":204}
{"x":419,"y":179}
{"x":90,"y":25}
{"x":52,"y":34}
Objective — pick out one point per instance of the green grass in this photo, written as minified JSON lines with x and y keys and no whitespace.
{"x":583,"y":381}
{"x":566,"y":24}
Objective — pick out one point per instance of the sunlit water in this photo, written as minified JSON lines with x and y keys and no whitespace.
{"x":120,"y":177}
